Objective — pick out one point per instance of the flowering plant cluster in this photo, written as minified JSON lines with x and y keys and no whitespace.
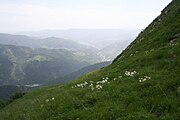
{"x":93,"y":85}
{"x":144,"y":79}
{"x":128,"y":73}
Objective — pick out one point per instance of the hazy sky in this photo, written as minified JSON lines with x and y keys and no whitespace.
{"x":29,"y":15}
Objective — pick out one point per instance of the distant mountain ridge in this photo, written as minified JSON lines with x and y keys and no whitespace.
{"x":49,"y":42}
{"x":97,"y":37}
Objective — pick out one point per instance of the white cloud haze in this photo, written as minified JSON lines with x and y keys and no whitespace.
{"x":32,"y":16}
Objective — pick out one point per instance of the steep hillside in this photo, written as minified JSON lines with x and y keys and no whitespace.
{"x":142,"y":83}
{"x":23,"y":65}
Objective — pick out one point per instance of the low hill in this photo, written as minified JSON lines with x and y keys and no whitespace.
{"x":142,"y":83}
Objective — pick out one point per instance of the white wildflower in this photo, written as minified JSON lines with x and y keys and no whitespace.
{"x":147,"y":77}
{"x":101,"y":82}
{"x":78,"y":85}
{"x":144,"y":79}
{"x":120,"y":77}
{"x":85,"y":83}
{"x":98,"y":86}
{"x":53,"y":98}
{"x":146,"y":51}
{"x":47,"y":100}
{"x":91,"y":85}
{"x":92,"y":88}
{"x":82,"y":84}
{"x":127,"y":73}
{"x":115,"y":79}
{"x":152,"y":50}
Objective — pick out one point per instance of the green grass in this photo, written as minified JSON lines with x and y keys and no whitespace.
{"x":155,"y":54}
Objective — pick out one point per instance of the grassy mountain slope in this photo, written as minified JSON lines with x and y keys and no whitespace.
{"x":142,"y":83}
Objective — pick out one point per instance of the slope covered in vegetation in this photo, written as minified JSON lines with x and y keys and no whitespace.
{"x":142,"y":83}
